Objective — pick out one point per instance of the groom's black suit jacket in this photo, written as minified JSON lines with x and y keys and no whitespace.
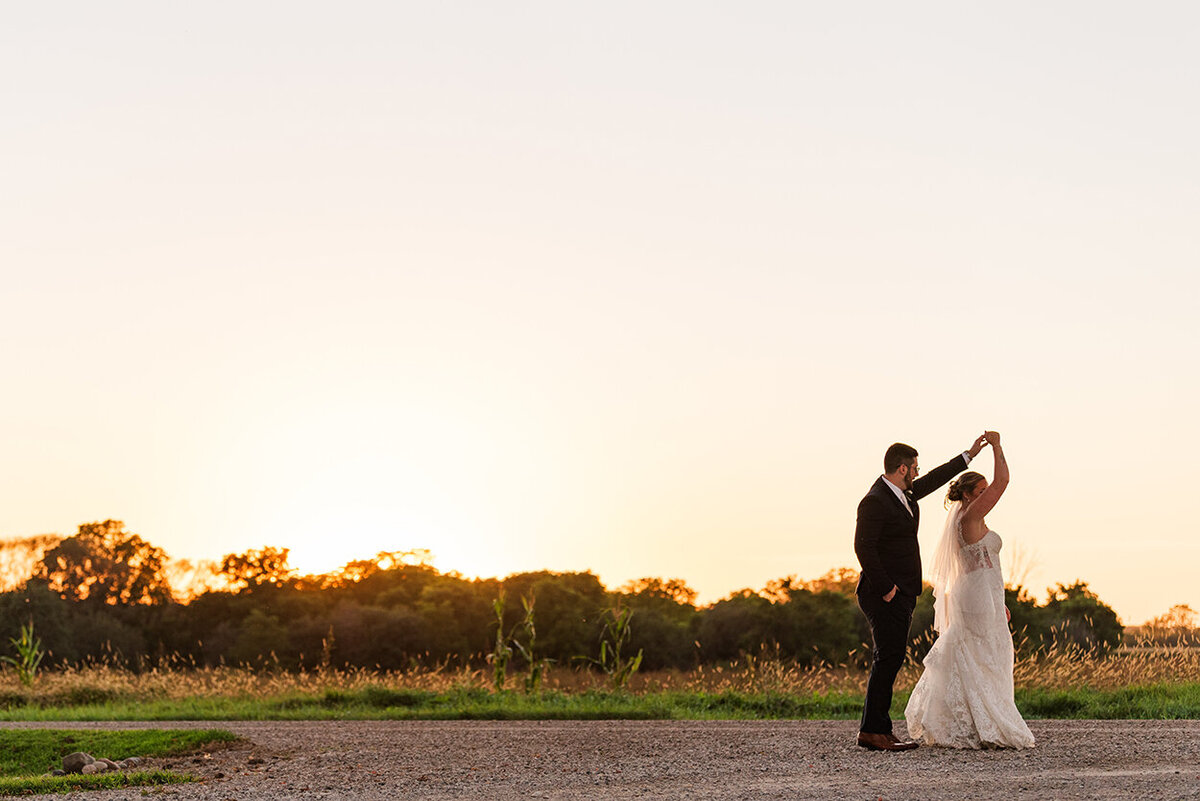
{"x":885,"y":537}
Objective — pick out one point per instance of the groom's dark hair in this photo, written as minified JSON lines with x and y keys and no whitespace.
{"x":897,"y":455}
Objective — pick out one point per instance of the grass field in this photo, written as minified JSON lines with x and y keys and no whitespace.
{"x":1162,"y":701}
{"x":1159,"y":683}
{"x":26,"y":755}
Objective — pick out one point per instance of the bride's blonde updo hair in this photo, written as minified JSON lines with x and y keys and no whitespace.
{"x":963,"y":484}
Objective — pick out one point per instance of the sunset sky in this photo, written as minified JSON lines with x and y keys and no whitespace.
{"x":640,"y":288}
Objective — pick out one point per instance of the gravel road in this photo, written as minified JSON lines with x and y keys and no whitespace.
{"x":723,"y":760}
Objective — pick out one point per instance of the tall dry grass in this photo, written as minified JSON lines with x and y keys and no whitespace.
{"x":1136,"y":666}
{"x":1066,"y":666}
{"x":180,"y":681}
{"x":1063,"y":668}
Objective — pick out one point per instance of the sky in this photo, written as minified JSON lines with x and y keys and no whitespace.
{"x":638,"y":288}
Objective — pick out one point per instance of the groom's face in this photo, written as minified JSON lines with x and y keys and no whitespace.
{"x":910,"y":473}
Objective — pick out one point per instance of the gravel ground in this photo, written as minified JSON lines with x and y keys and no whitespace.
{"x":723,"y":760}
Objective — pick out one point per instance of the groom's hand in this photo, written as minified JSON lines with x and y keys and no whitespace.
{"x":977,"y":446}
{"x":891,"y":594}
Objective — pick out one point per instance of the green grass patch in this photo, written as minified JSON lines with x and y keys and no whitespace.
{"x":27,"y":754}
{"x":1158,"y":701}
{"x":1147,"y":702}
{"x":35,"y":785}
{"x":467,"y":703}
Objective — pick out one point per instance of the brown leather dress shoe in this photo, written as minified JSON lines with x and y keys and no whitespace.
{"x":882,"y":742}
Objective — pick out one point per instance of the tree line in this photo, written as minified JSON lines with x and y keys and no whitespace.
{"x":105,"y":594}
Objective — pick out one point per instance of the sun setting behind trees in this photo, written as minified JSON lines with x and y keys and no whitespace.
{"x":104,"y":561}
{"x":107,"y":593}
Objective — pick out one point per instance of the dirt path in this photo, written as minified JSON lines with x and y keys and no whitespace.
{"x":723,"y":760}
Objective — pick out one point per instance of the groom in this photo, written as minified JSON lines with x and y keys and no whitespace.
{"x":885,"y":540}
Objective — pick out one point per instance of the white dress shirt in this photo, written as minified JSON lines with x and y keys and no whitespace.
{"x":900,"y":493}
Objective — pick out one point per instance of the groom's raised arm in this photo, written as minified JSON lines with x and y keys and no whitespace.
{"x":867,"y":531}
{"x":938,"y":476}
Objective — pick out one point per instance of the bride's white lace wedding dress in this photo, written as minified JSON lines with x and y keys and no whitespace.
{"x":964,"y":699}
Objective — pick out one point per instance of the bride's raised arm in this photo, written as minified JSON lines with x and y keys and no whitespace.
{"x":990,"y":496}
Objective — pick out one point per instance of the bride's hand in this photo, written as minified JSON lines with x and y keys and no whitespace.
{"x":1007,"y":615}
{"x":992,"y":437}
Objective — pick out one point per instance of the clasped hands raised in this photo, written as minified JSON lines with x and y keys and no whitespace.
{"x":986,"y":438}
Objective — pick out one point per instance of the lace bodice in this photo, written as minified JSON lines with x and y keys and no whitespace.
{"x":982,"y":555}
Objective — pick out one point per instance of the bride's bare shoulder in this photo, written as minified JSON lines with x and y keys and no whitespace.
{"x":973,"y":529}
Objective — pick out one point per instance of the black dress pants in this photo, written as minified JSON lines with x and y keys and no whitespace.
{"x":889,"y":623}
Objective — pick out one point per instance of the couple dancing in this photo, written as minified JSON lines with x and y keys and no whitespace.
{"x":964,"y":698}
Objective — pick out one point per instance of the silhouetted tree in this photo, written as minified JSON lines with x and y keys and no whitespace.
{"x":842,"y":580}
{"x":1082,"y":619}
{"x":674,"y":590}
{"x":105,"y":563}
{"x":569,"y":606}
{"x":816,"y":626}
{"x":358,"y":569}
{"x":256,"y":568}
{"x":50,"y":612}
{"x":458,"y":618}
{"x":260,"y":637}
{"x":735,"y":625}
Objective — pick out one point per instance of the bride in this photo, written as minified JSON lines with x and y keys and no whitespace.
{"x":964,"y":699}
